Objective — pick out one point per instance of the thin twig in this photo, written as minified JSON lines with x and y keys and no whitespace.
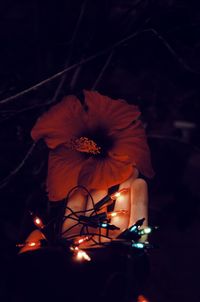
{"x":105,"y":66}
{"x":67,"y":68}
{"x":5,"y":181}
{"x":75,"y":77}
{"x":74,"y":35}
{"x":98,"y":54}
{"x":82,"y":11}
{"x":173,"y":53}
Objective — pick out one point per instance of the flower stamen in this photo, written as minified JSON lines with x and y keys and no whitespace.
{"x":84,"y":144}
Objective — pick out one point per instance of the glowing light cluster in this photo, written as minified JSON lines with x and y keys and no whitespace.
{"x":145,"y":231}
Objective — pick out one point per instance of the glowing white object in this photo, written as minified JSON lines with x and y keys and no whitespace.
{"x":138,"y":245}
{"x":116,"y":213}
{"x":81,"y":255}
{"x":119,"y":193}
{"x":113,"y":214}
{"x":31,"y":243}
{"x":104,"y":225}
{"x":82,"y":240}
{"x":145,"y":231}
{"x":38,"y":222}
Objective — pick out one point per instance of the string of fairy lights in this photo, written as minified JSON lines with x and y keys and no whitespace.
{"x":95,"y":227}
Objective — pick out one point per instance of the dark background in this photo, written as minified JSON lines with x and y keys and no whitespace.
{"x":156,"y":67}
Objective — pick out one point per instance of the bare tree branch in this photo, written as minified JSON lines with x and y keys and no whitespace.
{"x":100,"y":53}
{"x":75,"y":77}
{"x":105,"y":66}
{"x":173,"y":53}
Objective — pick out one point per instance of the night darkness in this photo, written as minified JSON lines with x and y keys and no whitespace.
{"x":144,"y":51}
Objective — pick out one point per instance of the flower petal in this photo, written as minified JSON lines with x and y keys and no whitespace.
{"x":63,"y":169}
{"x":102,"y":174}
{"x":113,"y":114}
{"x":133,"y":143}
{"x":60,"y":123}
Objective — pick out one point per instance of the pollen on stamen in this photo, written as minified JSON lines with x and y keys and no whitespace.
{"x":84,"y":144}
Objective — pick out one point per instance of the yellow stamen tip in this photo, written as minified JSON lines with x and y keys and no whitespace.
{"x":84,"y":144}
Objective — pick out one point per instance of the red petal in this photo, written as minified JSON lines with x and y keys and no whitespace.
{"x":113,"y":114}
{"x":133,"y":143}
{"x":63,"y":170}
{"x":102,"y":174}
{"x":60,"y":123}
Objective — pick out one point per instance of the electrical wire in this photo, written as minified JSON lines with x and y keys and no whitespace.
{"x":85,"y":228}
{"x":89,"y":234}
{"x":85,"y":211}
{"x":70,"y":228}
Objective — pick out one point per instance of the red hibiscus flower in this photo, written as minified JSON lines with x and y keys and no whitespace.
{"x":96,"y":146}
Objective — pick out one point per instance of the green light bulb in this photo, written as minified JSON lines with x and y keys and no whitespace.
{"x":104,"y":225}
{"x":145,"y":231}
{"x":138,"y":245}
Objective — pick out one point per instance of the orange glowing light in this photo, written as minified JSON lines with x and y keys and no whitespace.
{"x":116,"y":213}
{"x":28,"y":244}
{"x":81,"y":256}
{"x":82,"y":240}
{"x":31,"y":243}
{"x":113,"y":214}
{"x":119,"y":193}
{"x":142,"y":298}
{"x":38,"y":222}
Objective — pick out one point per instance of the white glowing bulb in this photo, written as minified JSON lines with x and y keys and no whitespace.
{"x":81,"y":255}
{"x":117,"y":194}
{"x":138,"y":245}
{"x":145,"y":231}
{"x":31,"y":243}
{"x":82,"y":240}
{"x":38,"y":222}
{"x":113,"y":214}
